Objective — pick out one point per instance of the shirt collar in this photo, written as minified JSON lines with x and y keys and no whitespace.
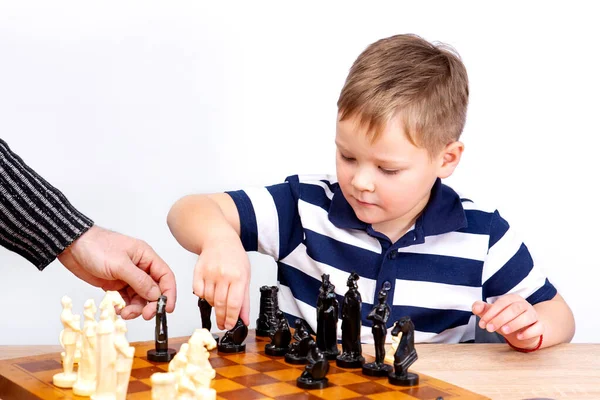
{"x":442,"y":214}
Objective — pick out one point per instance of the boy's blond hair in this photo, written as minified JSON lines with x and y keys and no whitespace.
{"x":405,"y":75}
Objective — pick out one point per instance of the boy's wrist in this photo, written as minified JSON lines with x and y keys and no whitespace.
{"x":526,"y":345}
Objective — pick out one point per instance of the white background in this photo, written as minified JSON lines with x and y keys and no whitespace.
{"x":126,"y":107}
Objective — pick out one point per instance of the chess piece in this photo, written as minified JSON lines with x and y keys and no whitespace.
{"x":178,"y":363}
{"x":405,"y":355}
{"x":351,"y":356}
{"x":281,"y":338}
{"x":199,"y":343}
{"x":298,"y":351}
{"x":389,"y":354}
{"x":68,"y":337}
{"x":379,"y":315}
{"x":125,"y":354}
{"x":233,"y":340}
{"x":266,"y":323}
{"x":205,"y":311}
{"x":113,"y":299}
{"x":327,"y":318}
{"x":161,"y":351}
{"x":106,"y":356}
{"x":86,"y":372}
{"x":163,"y":386}
{"x":313,"y":376}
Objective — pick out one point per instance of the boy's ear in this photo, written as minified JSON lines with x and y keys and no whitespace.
{"x":449,"y":158}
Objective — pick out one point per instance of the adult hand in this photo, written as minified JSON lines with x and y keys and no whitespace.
{"x":113,"y":261}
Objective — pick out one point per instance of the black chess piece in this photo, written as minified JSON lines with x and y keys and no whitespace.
{"x":313,"y":376}
{"x":298,"y":350}
{"x":351,"y":356}
{"x":266,"y":323}
{"x":405,"y":354}
{"x":161,"y":351}
{"x":379,"y":315}
{"x":205,"y":311}
{"x":233,"y":340}
{"x":327,"y":318}
{"x":281,"y":338}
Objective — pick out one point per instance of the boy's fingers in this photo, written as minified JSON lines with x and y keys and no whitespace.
{"x":220,"y":304}
{"x":479,"y":307}
{"x":245,"y":310}
{"x":494,"y":310}
{"x":234,"y":304}
{"x":511,"y":312}
{"x":525,"y":319}
{"x":532,"y":331}
{"x":209,"y":291}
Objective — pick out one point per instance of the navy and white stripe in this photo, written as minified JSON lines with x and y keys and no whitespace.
{"x":36,"y":220}
{"x":455,"y":254}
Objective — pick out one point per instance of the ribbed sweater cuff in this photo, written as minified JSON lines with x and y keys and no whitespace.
{"x":36,"y":219}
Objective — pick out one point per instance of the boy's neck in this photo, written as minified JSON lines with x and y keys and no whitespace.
{"x":396,"y":228}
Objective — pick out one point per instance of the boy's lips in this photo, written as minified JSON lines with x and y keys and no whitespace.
{"x":363,"y":203}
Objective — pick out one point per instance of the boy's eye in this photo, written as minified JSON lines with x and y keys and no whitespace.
{"x":346,"y":158}
{"x":389,"y":171}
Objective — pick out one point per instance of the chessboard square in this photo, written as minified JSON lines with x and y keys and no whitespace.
{"x":367,"y":388}
{"x":142,"y":373}
{"x":221,"y":362}
{"x":346,"y":379}
{"x":137,"y":386}
{"x":254,"y":347}
{"x":426,"y":392}
{"x":335,"y":392}
{"x":391,"y":396}
{"x":254,"y":380}
{"x":335,"y":370}
{"x":37,"y":366}
{"x":225,"y":385}
{"x":289,"y":374}
{"x":267,"y":366}
{"x":246,"y":358}
{"x":245,"y":394}
{"x":140,"y":363}
{"x":299,"y":396}
{"x":235,"y":370}
{"x":277,"y":389}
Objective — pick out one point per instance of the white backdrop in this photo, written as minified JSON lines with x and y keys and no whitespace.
{"x":126,"y":107}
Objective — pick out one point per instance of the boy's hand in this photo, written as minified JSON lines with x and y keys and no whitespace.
{"x":512,"y":317}
{"x":113,"y":261}
{"x":221,"y":277}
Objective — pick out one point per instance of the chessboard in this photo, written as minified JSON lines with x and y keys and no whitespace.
{"x":249,"y":375}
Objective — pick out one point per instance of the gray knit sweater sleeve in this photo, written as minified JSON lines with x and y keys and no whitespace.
{"x":36,"y":219}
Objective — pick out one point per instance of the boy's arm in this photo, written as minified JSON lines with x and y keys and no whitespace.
{"x":209,"y":225}
{"x":522,"y":324}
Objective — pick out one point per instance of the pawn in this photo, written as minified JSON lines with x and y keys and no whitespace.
{"x":233,"y":340}
{"x":281,"y":339}
{"x":313,"y":376}
{"x":161,"y":351}
{"x":68,"y":337}
{"x":405,"y":354}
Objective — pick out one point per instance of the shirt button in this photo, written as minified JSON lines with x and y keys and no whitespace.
{"x":393,"y":255}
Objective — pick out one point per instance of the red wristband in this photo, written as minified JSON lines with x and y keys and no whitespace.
{"x":527,"y":350}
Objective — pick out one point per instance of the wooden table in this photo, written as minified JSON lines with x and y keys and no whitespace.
{"x":568,"y":371}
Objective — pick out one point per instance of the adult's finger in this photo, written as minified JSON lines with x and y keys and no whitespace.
{"x":161,"y":273}
{"x":137,"y":278}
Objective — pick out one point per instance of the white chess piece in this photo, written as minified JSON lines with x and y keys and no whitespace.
{"x":106,"y":356}
{"x":114,"y":299}
{"x":86,"y":373}
{"x":68,"y":336}
{"x":178,"y":363}
{"x":163,"y":386}
{"x":200,"y":341}
{"x":125,"y":354}
{"x":198,"y":373}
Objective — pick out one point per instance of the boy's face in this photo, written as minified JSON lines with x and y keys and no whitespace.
{"x":387,"y":182}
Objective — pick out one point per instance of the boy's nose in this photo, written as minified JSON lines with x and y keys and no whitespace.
{"x":362,"y":181}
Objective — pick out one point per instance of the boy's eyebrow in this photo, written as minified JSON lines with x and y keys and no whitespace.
{"x":396,"y":162}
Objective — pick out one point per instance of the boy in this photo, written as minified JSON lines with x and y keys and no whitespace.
{"x":387,"y":217}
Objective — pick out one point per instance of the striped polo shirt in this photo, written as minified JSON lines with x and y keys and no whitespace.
{"x":455,"y":254}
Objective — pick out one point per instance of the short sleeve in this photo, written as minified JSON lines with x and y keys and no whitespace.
{"x":269,"y":220}
{"x":510,"y":269}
